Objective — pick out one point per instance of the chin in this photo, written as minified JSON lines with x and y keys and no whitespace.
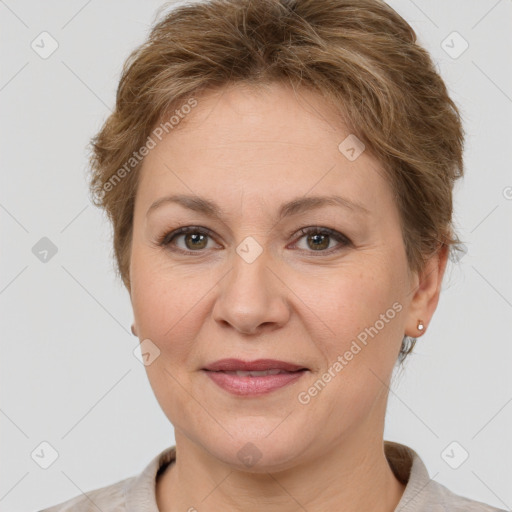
{"x":259,"y":448}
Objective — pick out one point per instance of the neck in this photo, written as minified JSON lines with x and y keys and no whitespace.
{"x":351,"y":476}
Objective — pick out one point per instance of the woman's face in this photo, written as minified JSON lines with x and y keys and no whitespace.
{"x":256,"y":287}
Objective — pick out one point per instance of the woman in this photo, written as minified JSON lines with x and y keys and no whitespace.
{"x":279,"y":177}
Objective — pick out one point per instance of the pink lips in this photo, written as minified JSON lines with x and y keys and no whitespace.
{"x":224,"y":374}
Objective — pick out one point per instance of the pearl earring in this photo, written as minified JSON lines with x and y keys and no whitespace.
{"x":420,"y":326}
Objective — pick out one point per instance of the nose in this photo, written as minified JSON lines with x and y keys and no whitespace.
{"x":252,"y":298}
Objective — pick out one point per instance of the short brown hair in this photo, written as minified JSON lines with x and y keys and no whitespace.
{"x":359,"y":54}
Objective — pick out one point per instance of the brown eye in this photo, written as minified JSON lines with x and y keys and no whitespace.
{"x":195,"y":239}
{"x":319,"y":239}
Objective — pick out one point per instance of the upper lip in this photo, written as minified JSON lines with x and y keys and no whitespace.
{"x":257,"y":365}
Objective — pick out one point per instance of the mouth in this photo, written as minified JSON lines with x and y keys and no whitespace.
{"x":246,"y":378}
{"x":261,"y":373}
{"x":259,"y":365}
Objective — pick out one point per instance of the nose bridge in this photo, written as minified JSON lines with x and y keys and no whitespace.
{"x":251,"y":296}
{"x":250,"y":267}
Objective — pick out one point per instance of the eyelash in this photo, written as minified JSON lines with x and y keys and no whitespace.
{"x":166,"y":239}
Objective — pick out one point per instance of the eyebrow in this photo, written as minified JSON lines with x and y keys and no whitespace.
{"x":293,"y":207}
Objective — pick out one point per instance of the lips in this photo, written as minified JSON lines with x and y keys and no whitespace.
{"x":262,"y":373}
{"x":259,"y":365}
{"x":253,"y":378}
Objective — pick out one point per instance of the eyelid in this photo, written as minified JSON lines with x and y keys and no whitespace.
{"x":169,"y":236}
{"x":343,"y":240}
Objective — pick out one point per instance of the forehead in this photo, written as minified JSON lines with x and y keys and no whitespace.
{"x":261,"y":142}
{"x":262,"y":114}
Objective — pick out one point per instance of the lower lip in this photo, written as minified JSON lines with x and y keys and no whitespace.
{"x":249,"y":386}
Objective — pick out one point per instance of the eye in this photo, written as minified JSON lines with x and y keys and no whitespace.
{"x":195,"y":239}
{"x":319,"y":239}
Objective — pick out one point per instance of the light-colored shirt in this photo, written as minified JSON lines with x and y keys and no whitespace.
{"x":137,"y":493}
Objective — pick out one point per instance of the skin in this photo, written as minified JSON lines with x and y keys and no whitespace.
{"x":250,"y":151}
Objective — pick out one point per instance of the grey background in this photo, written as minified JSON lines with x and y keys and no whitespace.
{"x":69,"y":375}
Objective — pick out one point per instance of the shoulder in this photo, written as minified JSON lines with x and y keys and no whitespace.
{"x":111,"y":498}
{"x":442,"y":499}
{"x":136,"y":493}
{"x":422,"y":493}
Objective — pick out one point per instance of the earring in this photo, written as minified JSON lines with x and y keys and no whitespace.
{"x":133,"y":330}
{"x":420,"y":325}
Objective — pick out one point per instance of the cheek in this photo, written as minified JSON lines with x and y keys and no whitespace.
{"x":166,"y":304}
{"x":359,"y":316}
{"x":351,"y":303}
{"x":358,"y":331}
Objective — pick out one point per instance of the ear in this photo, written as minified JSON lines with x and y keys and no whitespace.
{"x":425,"y":293}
